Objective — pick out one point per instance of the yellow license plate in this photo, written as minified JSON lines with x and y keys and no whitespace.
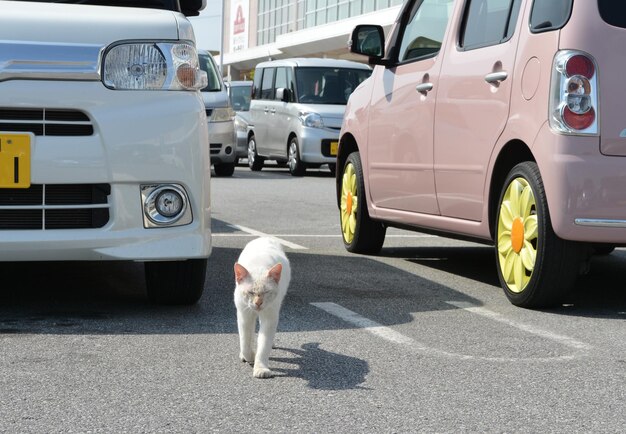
{"x":333,"y":148}
{"x":14,"y":160}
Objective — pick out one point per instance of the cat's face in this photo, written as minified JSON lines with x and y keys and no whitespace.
{"x":259,"y":292}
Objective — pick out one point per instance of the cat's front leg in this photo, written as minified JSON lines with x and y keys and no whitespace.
{"x":246,"y":322}
{"x":268,"y":321}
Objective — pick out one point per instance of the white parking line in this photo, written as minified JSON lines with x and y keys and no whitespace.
{"x":366,"y":324}
{"x":565,"y":340}
{"x":395,"y":337}
{"x":261,"y":234}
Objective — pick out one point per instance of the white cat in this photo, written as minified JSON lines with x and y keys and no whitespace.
{"x":262,"y":275}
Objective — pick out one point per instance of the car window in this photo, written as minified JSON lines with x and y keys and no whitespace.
{"x":256,"y":84}
{"x":208,"y":66}
{"x":284,"y":79}
{"x":240,"y":98}
{"x":489,"y":22}
{"x":267,"y":84}
{"x":328,"y":85}
{"x":553,"y":14}
{"x":425,"y":28}
{"x":281,"y":78}
{"x":613,"y":12}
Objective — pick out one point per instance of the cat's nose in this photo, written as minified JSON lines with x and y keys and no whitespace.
{"x":258,"y":302}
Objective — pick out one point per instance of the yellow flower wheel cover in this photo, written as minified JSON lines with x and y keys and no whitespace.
{"x":349,"y":202}
{"x":517,"y":234}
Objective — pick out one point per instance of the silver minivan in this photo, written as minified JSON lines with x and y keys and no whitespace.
{"x":220,"y":118}
{"x":297,"y":109}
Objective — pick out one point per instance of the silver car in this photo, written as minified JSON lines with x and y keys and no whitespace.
{"x":220,"y":118}
{"x":297,"y":109}
{"x":240,"y":93}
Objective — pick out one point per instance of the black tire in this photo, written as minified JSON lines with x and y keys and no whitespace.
{"x":296,"y":166}
{"x":369,"y":235}
{"x":175,"y":282}
{"x":554,"y":262}
{"x":255,"y":162}
{"x":224,"y":169}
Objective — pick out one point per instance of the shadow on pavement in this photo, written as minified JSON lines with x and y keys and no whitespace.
{"x":323,"y":370}
{"x":597,"y":294}
{"x":109,"y":297}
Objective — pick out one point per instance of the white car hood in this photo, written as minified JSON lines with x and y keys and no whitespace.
{"x":53,"y":23}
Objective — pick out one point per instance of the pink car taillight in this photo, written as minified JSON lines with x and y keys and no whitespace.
{"x":574,"y":102}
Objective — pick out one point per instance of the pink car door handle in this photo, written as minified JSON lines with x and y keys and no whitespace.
{"x":495,"y":77}
{"x":424,"y":87}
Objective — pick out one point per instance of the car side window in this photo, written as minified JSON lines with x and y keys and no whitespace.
{"x":488,"y":22}
{"x":551,"y":14}
{"x":424,"y":30}
{"x":284,"y":79}
{"x":267,"y":84}
{"x":281,"y":79}
{"x":256,"y":84}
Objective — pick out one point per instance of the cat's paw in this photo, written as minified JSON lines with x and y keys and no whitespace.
{"x":247,"y":358}
{"x":262,"y":373}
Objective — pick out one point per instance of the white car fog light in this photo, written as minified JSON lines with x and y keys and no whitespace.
{"x":169,"y":203}
{"x":165,"y":205}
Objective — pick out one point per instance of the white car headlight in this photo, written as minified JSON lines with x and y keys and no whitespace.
{"x":153,"y":66}
{"x":313,"y":120}
{"x":224,"y":114}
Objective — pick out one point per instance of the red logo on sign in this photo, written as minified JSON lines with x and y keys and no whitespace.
{"x":240,"y":22}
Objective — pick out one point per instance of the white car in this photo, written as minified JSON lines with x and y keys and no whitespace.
{"x":220,"y":118}
{"x":103,"y":139}
{"x":296,"y":111}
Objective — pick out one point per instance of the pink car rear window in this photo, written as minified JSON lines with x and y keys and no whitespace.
{"x":549,"y":14}
{"x":613,"y":12}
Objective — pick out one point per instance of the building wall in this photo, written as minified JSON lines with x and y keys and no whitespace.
{"x":299,"y":28}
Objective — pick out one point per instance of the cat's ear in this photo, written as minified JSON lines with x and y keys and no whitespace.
{"x":275,"y":271}
{"x":240,"y":272}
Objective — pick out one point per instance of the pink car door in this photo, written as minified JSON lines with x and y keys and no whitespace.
{"x":400,"y":141}
{"x":473,"y":103}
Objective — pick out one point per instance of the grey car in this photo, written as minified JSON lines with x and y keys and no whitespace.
{"x":220,"y":118}
{"x":240,"y":93}
{"x":297,"y":109}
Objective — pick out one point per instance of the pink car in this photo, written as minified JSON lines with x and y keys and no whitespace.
{"x":501,"y":121}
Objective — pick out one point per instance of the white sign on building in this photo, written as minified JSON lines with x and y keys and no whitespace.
{"x":239,"y":24}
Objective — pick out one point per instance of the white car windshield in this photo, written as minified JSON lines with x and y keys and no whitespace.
{"x":328,"y":85}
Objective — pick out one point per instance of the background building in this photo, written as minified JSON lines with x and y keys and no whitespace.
{"x":259,"y":30}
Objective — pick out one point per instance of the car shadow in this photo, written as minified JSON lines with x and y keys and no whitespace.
{"x":474,"y":262}
{"x":274,"y":172}
{"x":110,"y":297}
{"x":595,"y":294}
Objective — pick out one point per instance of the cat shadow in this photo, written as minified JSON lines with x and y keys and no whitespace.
{"x":323,"y":370}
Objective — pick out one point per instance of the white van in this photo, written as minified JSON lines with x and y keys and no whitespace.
{"x":103,"y":139}
{"x":297,"y":108}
